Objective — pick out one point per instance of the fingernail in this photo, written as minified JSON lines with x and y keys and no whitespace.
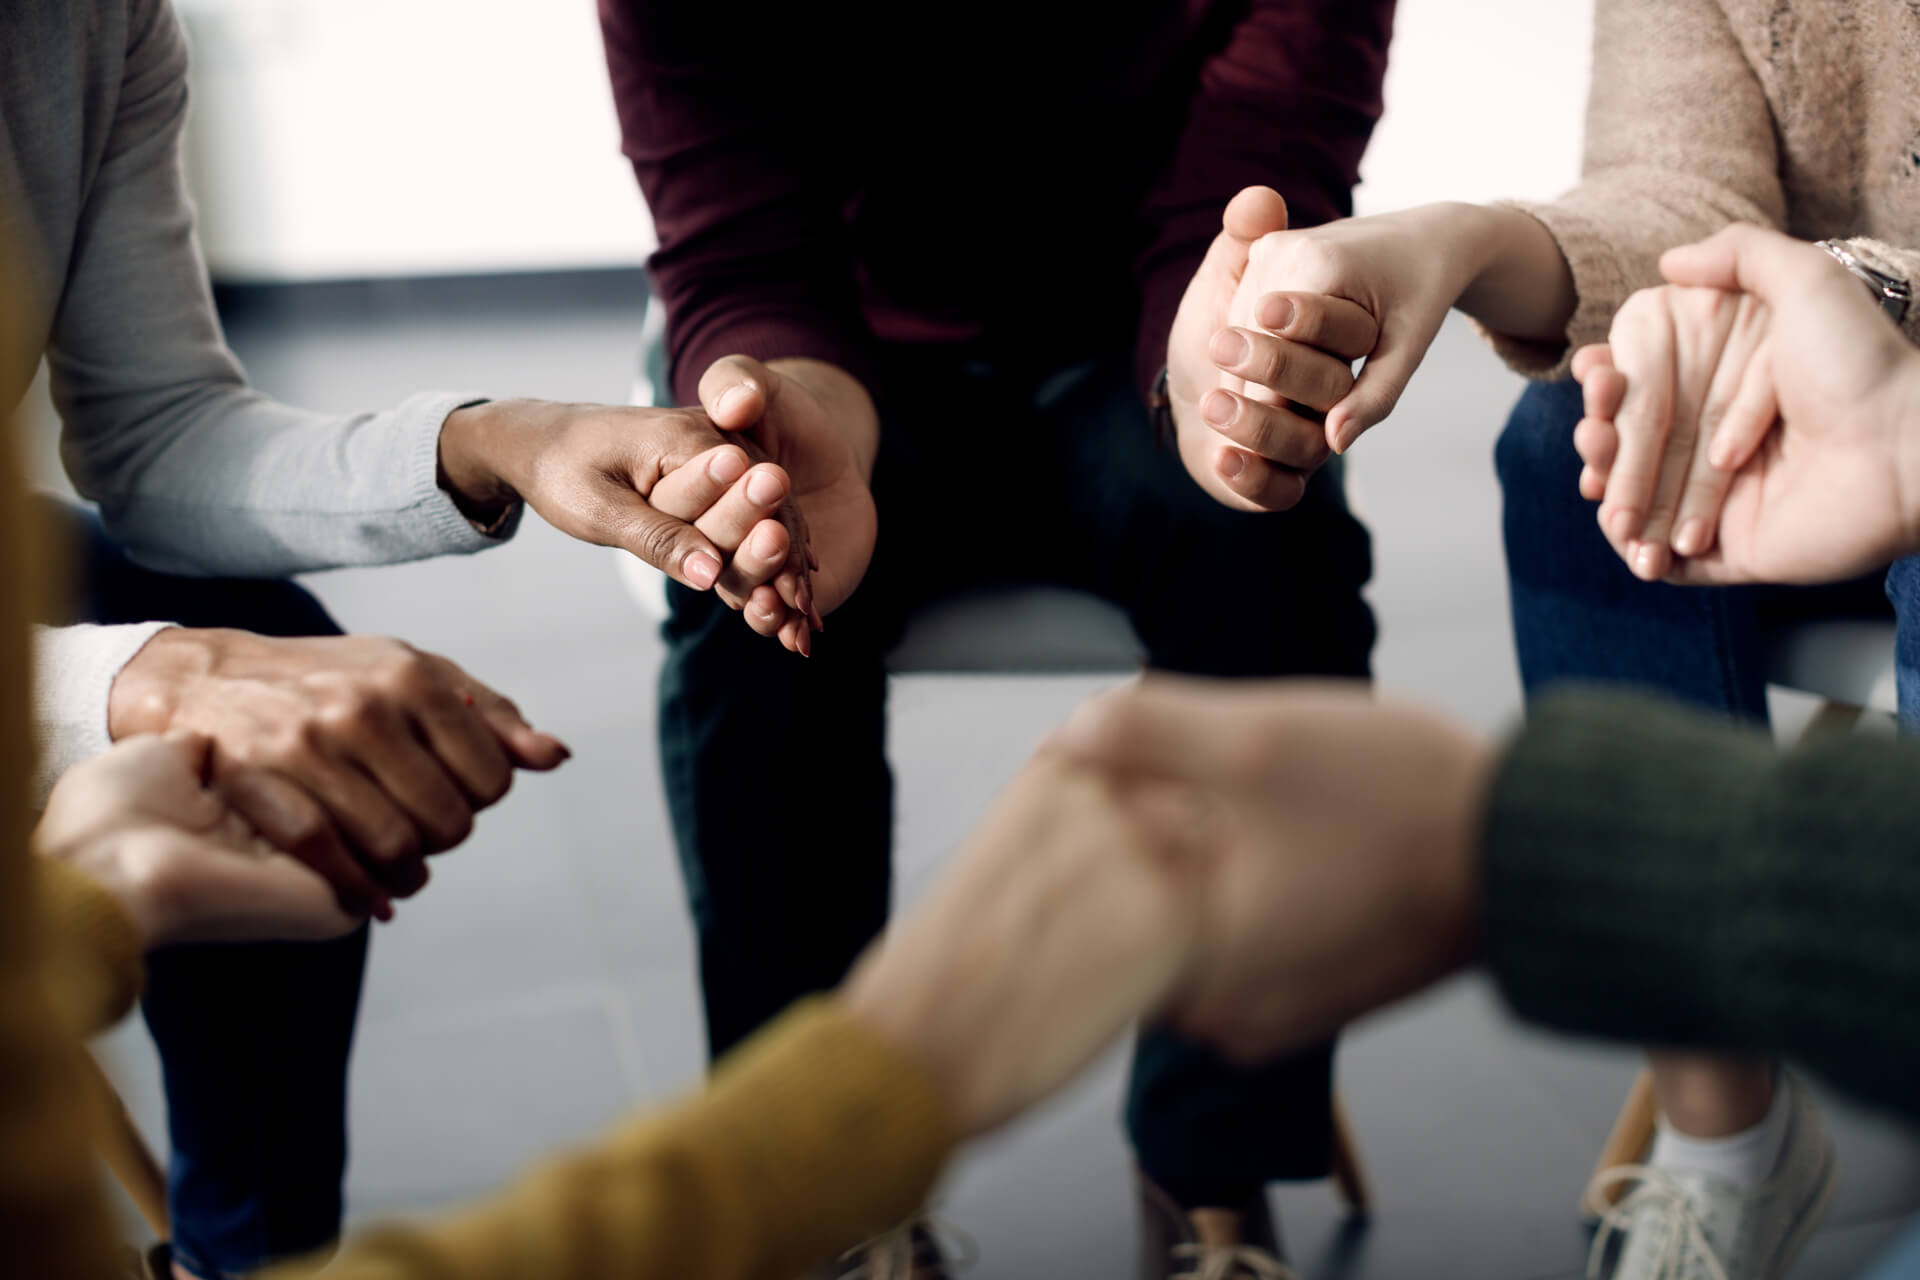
{"x":1276,"y":313}
{"x":806,"y":643}
{"x":766,"y":544}
{"x":1219,"y":408}
{"x":1232,"y":463}
{"x":764,"y":489}
{"x":1643,"y":559}
{"x":727,"y":466}
{"x":467,"y":698}
{"x":733,"y":399}
{"x":1229,"y":347}
{"x":702,"y":570}
{"x":1692,"y":534}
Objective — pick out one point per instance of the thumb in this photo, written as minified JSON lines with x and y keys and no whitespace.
{"x":1164,"y":727}
{"x":736,"y":390}
{"x":1255,"y":212}
{"x":1746,"y":259}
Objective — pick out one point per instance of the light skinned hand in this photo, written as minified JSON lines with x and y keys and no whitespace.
{"x":186,"y":865}
{"x":1233,"y":476}
{"x":1828,"y":488}
{"x":1315,"y":300}
{"x":1342,"y":836}
{"x":1058,"y":924}
{"x":357,"y":755}
{"x":818,"y":424}
{"x":1688,"y":377}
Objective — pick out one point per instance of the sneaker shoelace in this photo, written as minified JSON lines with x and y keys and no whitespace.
{"x":893,"y":1255}
{"x":1656,"y":1193}
{"x":1228,"y":1262}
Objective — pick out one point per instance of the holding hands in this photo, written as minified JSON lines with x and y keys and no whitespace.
{"x":1752,"y":421}
{"x":185,"y":864}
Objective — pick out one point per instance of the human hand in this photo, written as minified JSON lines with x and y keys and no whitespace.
{"x":819,"y":425}
{"x":186,"y":866}
{"x":1307,"y":305}
{"x":357,"y":755}
{"x":1683,"y":374}
{"x":1058,"y":924}
{"x":1820,"y":453}
{"x":1342,"y":833}
{"x":664,"y":485}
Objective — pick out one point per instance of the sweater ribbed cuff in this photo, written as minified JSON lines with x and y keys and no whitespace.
{"x":73,"y":673}
{"x":1599,"y":288}
{"x":441,"y":527}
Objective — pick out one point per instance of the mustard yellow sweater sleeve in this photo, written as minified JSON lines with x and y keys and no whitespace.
{"x":810,"y":1138}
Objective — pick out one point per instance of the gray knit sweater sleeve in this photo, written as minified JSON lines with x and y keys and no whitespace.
{"x":195,"y":472}
{"x":1655,"y":876}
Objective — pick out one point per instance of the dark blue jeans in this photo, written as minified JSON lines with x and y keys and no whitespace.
{"x":1579,"y":615}
{"x":988,"y":473}
{"x":253,"y":1039}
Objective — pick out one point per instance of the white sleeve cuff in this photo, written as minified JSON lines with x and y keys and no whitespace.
{"x":73,"y":673}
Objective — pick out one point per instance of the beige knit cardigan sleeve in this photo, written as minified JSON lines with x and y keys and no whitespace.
{"x":1680,"y":143}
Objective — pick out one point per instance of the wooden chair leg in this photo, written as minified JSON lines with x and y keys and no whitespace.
{"x":1349,"y":1175}
{"x":125,"y":1151}
{"x":1632,"y":1133}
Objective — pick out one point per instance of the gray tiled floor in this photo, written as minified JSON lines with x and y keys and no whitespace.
{"x":544,"y":984}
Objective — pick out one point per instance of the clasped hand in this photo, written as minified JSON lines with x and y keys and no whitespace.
{"x":1747,"y":421}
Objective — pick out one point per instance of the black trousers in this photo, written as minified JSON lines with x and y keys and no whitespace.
{"x":984,"y":474}
{"x":253,"y":1038}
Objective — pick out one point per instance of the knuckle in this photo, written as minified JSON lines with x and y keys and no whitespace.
{"x":392,"y":839}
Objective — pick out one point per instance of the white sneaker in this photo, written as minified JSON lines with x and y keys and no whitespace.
{"x":1709,"y":1230}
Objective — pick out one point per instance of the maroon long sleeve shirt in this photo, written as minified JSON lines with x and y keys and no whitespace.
{"x":1040,"y":175}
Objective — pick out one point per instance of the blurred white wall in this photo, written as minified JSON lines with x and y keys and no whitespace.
{"x":338,"y":138}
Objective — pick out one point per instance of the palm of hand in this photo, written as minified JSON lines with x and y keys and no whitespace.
{"x":1832,"y":454}
{"x":834,"y":505}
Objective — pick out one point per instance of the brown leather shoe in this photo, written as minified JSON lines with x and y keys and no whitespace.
{"x":1239,"y":1242}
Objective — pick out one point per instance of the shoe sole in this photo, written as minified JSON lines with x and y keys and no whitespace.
{"x":1813,"y":1213}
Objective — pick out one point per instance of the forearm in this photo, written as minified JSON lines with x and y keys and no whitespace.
{"x":1657,"y":877}
{"x":232,"y":483}
{"x":810,"y":1138}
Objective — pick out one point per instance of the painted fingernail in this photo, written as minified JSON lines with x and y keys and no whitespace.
{"x":467,"y":698}
{"x":1219,"y":408}
{"x":727,"y":466}
{"x":766,"y":543}
{"x":1232,"y":463}
{"x":1229,"y":347}
{"x":764,"y":489}
{"x":734,"y":398}
{"x":702,"y":570}
{"x":1276,"y":313}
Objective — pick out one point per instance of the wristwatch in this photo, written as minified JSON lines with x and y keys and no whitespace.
{"x":1893,"y":294}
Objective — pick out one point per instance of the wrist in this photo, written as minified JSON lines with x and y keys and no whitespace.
{"x":472,"y":461}
{"x":146,"y":692}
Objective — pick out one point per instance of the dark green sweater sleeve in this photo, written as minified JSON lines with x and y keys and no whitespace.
{"x":1656,"y":876}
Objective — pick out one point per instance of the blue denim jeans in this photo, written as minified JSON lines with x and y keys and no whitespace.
{"x":253,"y":1039}
{"x":1579,"y":615}
{"x":1902,"y":1262}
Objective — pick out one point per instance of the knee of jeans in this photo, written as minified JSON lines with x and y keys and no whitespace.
{"x":1535,"y":450}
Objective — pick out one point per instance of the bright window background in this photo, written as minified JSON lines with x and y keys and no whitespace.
{"x":339,"y":138}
